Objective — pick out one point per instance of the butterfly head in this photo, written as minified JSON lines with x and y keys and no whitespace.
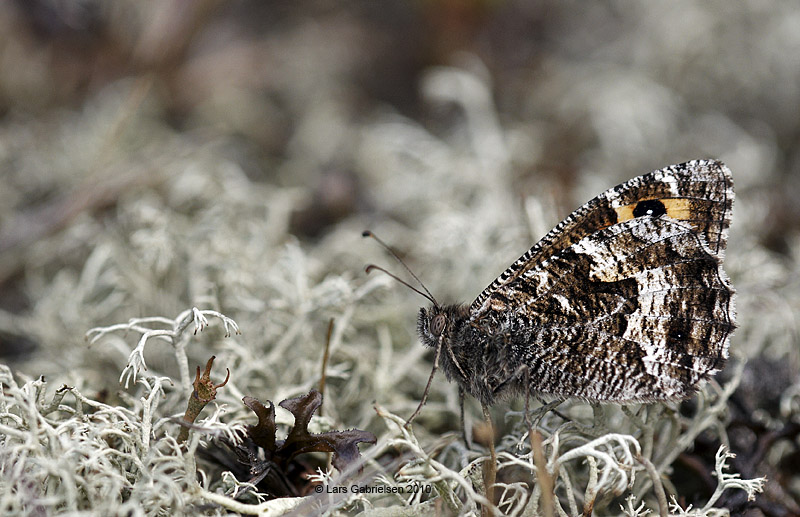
{"x":432,"y":324}
{"x":439,"y":324}
{"x":436,"y":325}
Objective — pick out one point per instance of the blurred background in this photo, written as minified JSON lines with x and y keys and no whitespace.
{"x":227,"y":154}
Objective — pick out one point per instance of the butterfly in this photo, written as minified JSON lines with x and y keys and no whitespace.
{"x":623,"y":301}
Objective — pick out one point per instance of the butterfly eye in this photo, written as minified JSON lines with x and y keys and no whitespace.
{"x":437,"y":325}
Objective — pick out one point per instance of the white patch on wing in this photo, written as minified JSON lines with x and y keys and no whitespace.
{"x":562,"y":300}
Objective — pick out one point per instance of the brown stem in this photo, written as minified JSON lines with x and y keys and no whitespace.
{"x":204,"y":392}
{"x":326,"y":355}
{"x":490,"y":465}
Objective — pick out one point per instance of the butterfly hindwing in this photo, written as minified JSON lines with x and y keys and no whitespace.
{"x":637,"y":311}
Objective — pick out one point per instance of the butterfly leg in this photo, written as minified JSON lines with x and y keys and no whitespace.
{"x":528,"y":400}
{"x":599,"y":418}
{"x":532,"y":422}
{"x":427,"y":386}
{"x":539,"y":413}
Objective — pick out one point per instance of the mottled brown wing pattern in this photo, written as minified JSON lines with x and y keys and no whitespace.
{"x":625,"y":300}
{"x":638,"y":311}
{"x":699,"y":192}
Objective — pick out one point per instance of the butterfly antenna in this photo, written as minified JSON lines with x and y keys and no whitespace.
{"x":427,"y":294}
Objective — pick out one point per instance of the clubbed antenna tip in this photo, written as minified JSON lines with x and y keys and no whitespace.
{"x":427,"y":294}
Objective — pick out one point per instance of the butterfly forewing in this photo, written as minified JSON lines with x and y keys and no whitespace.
{"x":699,"y":192}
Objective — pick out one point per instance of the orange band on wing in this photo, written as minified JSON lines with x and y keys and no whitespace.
{"x":677,"y":208}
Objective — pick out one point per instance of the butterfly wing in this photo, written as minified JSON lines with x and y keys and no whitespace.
{"x":626,"y":299}
{"x":699,"y":192}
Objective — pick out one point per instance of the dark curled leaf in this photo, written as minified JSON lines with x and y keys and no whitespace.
{"x":272,"y":465}
{"x":263,"y":433}
{"x":343,"y":444}
{"x":302,"y":408}
{"x":299,"y":439}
